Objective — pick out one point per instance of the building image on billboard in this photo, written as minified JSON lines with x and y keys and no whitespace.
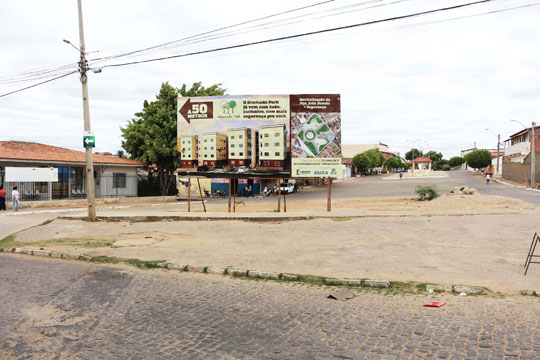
{"x":300,"y":134}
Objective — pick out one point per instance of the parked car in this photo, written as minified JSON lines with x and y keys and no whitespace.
{"x":243,"y":169}
{"x":203,"y":168}
{"x":288,"y":188}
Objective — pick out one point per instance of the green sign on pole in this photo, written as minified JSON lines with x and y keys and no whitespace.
{"x":89,"y":140}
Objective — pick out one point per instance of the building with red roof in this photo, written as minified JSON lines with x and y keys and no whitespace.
{"x":113,"y":176}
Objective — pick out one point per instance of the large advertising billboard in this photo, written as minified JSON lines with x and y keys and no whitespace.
{"x":300,"y":134}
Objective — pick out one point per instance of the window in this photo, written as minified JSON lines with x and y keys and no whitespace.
{"x":241,"y":145}
{"x":240,"y":136}
{"x":205,"y":148}
{"x":232,"y":154}
{"x":240,"y":154}
{"x":276,"y":143}
{"x":266,"y":135}
{"x":276,"y":134}
{"x":261,"y":153}
{"x":211,"y":148}
{"x":261,"y":136}
{"x":276,"y":163}
{"x":266,"y":163}
{"x":266,"y":153}
{"x":232,"y":137}
{"x":232,"y":145}
{"x":277,"y":153}
{"x":212,"y":155}
{"x":232,"y":162}
{"x":205,"y":155}
{"x":119,"y":180}
{"x":211,"y":140}
{"x":204,"y":140}
{"x":183,"y":141}
{"x":183,"y":149}
{"x":266,"y":144}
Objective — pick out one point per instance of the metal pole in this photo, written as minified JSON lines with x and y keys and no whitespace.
{"x":86,"y":112}
{"x":200,"y":193}
{"x":329,"y":200}
{"x":229,"y":208}
{"x":234,"y":195}
{"x":498,"y":150}
{"x":533,"y":157}
{"x":189,"y":195}
{"x":278,"y":181}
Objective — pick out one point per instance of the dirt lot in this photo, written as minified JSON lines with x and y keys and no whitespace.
{"x":390,"y":241}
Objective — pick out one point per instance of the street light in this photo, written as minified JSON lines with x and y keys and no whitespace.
{"x":83,"y":68}
{"x":533,"y":151}
{"x":498,"y":148}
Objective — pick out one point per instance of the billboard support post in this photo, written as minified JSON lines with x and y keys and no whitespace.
{"x":189,"y":195}
{"x":234,"y":198}
{"x":278,"y":181}
{"x":284,"y":202}
{"x":229,"y":208}
{"x":200,"y":193}
{"x":329,"y":200}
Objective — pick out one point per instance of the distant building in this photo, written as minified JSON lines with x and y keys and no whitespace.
{"x":517,"y":156}
{"x":187,"y":146}
{"x":239,"y":142}
{"x":214,"y":149}
{"x":272,"y":146}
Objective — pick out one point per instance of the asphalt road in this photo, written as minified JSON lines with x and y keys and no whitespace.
{"x":57,"y":309}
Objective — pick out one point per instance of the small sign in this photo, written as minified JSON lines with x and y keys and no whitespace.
{"x":89,"y":140}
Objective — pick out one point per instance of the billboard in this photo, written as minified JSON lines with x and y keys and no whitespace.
{"x":296,"y":133}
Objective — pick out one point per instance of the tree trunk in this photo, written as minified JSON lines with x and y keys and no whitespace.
{"x":164,"y":182}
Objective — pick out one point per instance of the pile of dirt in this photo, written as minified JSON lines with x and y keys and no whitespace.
{"x":463,"y":190}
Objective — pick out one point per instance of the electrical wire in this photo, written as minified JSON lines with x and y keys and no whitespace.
{"x":288,"y":37}
{"x":40,"y":83}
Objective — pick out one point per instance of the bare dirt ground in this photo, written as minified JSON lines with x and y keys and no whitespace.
{"x":486,"y":247}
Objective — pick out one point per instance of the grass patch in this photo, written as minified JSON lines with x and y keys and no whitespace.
{"x":82,"y":242}
{"x":8,"y":241}
{"x":141,"y":264}
{"x":338,"y":219}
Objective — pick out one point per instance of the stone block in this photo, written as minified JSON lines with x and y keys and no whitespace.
{"x":56,"y":255}
{"x":71,"y":256}
{"x":289,"y":277}
{"x":439,"y":288}
{"x":18,"y":250}
{"x":199,"y":269}
{"x":26,"y":251}
{"x":263,"y":275}
{"x":215,"y":270}
{"x":163,"y":264}
{"x":468,"y":289}
{"x":237,"y":272}
{"x":377,"y":283}
{"x":530,"y":292}
{"x":42,"y":253}
{"x":84,"y":258}
{"x":176,"y":266}
{"x":8,"y":249}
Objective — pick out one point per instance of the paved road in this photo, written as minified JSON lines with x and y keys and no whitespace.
{"x":54,"y":309}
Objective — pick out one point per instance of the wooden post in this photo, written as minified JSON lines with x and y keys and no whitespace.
{"x":278,"y":181}
{"x":285,"y":202}
{"x":200,"y":192}
{"x":329,"y":200}
{"x":189,"y":195}
{"x":229,"y":195}
{"x":234,"y":197}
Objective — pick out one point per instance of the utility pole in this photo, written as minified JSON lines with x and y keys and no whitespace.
{"x":533,"y":157}
{"x":498,"y":151}
{"x":83,"y":68}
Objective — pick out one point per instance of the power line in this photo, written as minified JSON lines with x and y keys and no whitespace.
{"x":40,"y":83}
{"x":289,"y":37}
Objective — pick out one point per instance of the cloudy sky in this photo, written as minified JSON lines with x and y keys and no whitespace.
{"x":437,"y":80}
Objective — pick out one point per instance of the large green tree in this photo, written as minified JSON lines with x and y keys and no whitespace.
{"x":413,"y":154}
{"x":478,"y":159}
{"x":361,"y":162}
{"x":434,"y":156}
{"x":376,"y":159}
{"x":151,"y":136}
{"x":456,"y":161}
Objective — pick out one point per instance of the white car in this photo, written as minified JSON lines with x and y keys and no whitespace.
{"x":289,"y":188}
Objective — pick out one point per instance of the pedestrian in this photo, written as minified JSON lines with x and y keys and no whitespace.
{"x":488,"y":176}
{"x":400,"y":175}
{"x":15,"y":196}
{"x":250,"y":191}
{"x":2,"y":198}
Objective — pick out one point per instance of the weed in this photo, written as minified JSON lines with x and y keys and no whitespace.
{"x":338,"y":219}
{"x":426,"y":192}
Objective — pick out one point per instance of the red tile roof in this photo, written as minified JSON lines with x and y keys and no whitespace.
{"x":422,"y":159}
{"x":30,"y":151}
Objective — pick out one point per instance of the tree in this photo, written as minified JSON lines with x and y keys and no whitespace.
{"x":394,"y":163}
{"x":434,"y":156}
{"x":121,"y":154}
{"x":438,"y":165}
{"x":412,"y":154}
{"x":478,"y":159}
{"x":151,"y":136}
{"x":456,"y":161}
{"x":361,"y":162}
{"x":376,"y":159}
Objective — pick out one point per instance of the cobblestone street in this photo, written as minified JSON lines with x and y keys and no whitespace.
{"x":62,"y":310}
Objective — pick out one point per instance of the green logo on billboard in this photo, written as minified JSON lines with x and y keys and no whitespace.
{"x":228,"y":106}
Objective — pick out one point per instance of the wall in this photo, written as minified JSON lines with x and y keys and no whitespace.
{"x":521,"y":172}
{"x":104,"y":181}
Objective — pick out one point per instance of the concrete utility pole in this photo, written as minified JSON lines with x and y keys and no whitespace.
{"x":498,"y":151}
{"x":83,"y":68}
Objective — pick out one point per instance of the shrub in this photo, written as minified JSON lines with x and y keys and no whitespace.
{"x":426,"y":192}
{"x":446,"y":167}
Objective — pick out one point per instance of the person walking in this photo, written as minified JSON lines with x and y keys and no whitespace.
{"x":400,"y":175}
{"x":488,"y":177}
{"x":15,"y":196}
{"x":2,"y":198}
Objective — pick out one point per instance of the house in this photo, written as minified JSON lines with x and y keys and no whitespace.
{"x":272,"y":147}
{"x":349,"y":151}
{"x":517,"y":156}
{"x":214,"y":149}
{"x":422,"y":163}
{"x":113,"y":176}
{"x":240,"y":143}
{"x":189,"y":150}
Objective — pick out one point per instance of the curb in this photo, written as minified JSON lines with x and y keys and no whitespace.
{"x":268,"y":275}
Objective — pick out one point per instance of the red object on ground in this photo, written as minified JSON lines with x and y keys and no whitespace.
{"x":435,"y":304}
